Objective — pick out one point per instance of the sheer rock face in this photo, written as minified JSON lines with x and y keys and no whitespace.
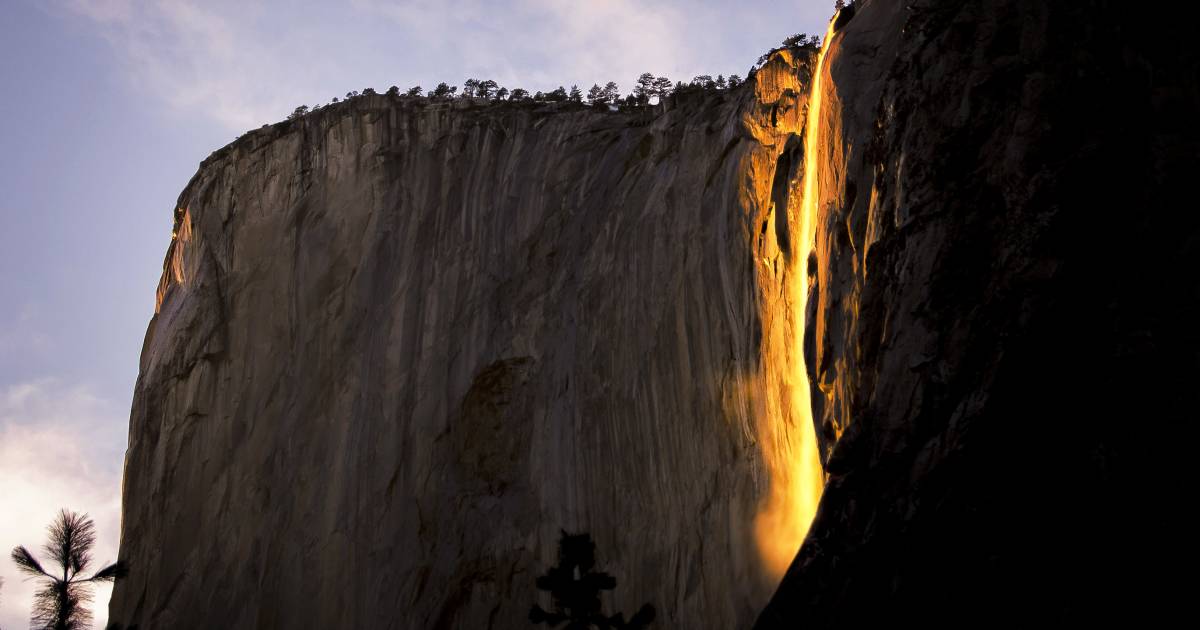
{"x":400,"y":345}
{"x":1003,"y":322}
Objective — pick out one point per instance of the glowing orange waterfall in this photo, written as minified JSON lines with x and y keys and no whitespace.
{"x":788,"y":436}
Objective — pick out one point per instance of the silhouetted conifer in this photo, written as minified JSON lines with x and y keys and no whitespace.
{"x":61,"y":602}
{"x":486,"y":88}
{"x":611,"y":92}
{"x":575,"y":588}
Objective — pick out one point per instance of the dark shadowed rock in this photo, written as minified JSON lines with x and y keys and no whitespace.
{"x":1005,"y":312}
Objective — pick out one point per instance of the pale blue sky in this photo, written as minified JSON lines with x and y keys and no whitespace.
{"x":108,"y":107}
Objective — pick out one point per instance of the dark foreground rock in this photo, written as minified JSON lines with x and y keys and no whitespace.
{"x":1005,"y":326}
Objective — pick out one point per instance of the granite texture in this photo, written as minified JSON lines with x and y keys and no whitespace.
{"x":1003,"y":323}
{"x":400,"y":345}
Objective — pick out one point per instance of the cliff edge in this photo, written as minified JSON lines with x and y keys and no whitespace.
{"x":400,"y":345}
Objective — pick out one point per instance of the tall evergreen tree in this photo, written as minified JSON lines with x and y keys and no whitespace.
{"x":444,"y":91}
{"x":486,"y":89}
{"x":662,"y":88}
{"x":595,"y":95}
{"x":644,"y":88}
{"x":469,"y":87}
{"x":611,"y":92}
{"x":61,"y":602}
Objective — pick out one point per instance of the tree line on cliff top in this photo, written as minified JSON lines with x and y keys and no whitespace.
{"x":647,"y":87}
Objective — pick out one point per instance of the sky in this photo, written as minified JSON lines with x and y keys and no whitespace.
{"x":108,"y":108}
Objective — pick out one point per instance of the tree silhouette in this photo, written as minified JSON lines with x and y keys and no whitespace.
{"x":575,"y":588}
{"x":611,"y":92}
{"x":643,"y":89}
{"x":443,"y":91}
{"x":61,"y":602}
{"x":469,"y":87}
{"x":795,"y":41}
{"x":575,"y":95}
{"x":663,"y":88}
{"x":595,"y":95}
{"x":486,"y":88}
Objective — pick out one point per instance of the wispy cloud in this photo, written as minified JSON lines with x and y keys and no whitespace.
{"x":57,"y":450}
{"x":543,"y":43}
{"x":244,"y":63}
{"x":214,"y":58}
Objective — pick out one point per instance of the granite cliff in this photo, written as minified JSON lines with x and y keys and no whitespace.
{"x":401,"y":344}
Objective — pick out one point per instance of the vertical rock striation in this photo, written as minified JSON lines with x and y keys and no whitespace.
{"x":1003,"y":322}
{"x":399,"y":345}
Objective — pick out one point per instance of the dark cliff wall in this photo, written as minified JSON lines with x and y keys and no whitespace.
{"x":1004,"y":317}
{"x":400,"y":345}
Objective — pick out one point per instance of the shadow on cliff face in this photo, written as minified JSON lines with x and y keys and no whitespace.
{"x":1022,"y":363}
{"x":576,"y":589}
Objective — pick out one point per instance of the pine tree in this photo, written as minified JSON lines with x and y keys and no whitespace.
{"x":486,"y":89}
{"x":574,"y":586}
{"x":662,"y":88}
{"x":644,"y":88}
{"x":595,"y":95}
{"x":611,"y":92}
{"x":61,"y":602}
{"x":469,"y":87}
